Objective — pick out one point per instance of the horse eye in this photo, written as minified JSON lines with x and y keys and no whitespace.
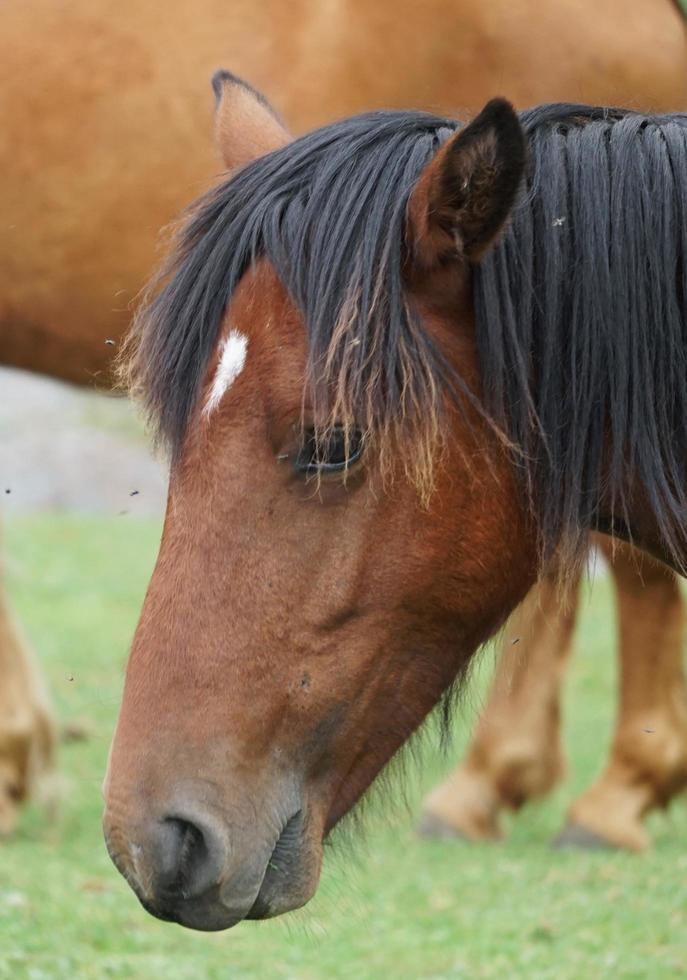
{"x":338,"y":451}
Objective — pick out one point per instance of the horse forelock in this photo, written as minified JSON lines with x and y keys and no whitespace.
{"x":328,"y":212}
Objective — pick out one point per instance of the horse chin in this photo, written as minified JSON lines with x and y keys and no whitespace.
{"x":208,"y":915}
{"x":220,"y":909}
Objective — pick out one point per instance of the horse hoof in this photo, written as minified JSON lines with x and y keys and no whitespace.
{"x":435,"y":828}
{"x":574,"y":835}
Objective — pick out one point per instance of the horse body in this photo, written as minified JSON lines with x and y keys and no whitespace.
{"x":103,"y":142}
{"x":345,"y":263}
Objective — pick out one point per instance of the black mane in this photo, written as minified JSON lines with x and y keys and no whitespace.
{"x":581,"y":323}
{"x":579,"y":311}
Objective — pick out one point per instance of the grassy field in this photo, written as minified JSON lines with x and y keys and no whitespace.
{"x":391,"y":905}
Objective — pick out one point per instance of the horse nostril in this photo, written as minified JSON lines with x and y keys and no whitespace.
{"x":182,"y":849}
{"x":188,"y":858}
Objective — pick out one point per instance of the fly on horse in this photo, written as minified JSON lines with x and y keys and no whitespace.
{"x":385,"y":415}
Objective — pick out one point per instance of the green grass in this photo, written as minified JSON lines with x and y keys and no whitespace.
{"x":392,"y":906}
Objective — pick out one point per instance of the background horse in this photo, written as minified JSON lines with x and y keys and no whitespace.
{"x":106,"y":141}
{"x":516,"y":754}
{"x":27,"y":728}
{"x":382,"y":424}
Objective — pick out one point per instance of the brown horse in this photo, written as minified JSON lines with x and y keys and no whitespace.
{"x":107,"y":141}
{"x":382,"y":425}
{"x":27,"y":728}
{"x":516,"y":755}
{"x":90,"y":173}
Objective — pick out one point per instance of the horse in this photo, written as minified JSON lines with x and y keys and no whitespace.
{"x":28,"y":733}
{"x":515,"y":754}
{"x":90,"y":174}
{"x":106,"y":142}
{"x":401,"y":367}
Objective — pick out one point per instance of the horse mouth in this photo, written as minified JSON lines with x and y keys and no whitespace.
{"x":282,"y":872}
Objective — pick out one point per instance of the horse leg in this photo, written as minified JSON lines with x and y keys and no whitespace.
{"x":516,"y":753}
{"x":648,"y":761}
{"x":27,"y":728}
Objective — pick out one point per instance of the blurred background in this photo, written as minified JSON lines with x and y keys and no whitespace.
{"x":66,"y":449}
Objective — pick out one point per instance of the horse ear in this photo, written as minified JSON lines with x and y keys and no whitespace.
{"x":466,"y":193}
{"x":246,"y":125}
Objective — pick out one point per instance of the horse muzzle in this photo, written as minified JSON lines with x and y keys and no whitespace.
{"x":194,"y":867}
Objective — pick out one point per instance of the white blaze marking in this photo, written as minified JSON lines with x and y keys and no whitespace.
{"x":231,"y":361}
